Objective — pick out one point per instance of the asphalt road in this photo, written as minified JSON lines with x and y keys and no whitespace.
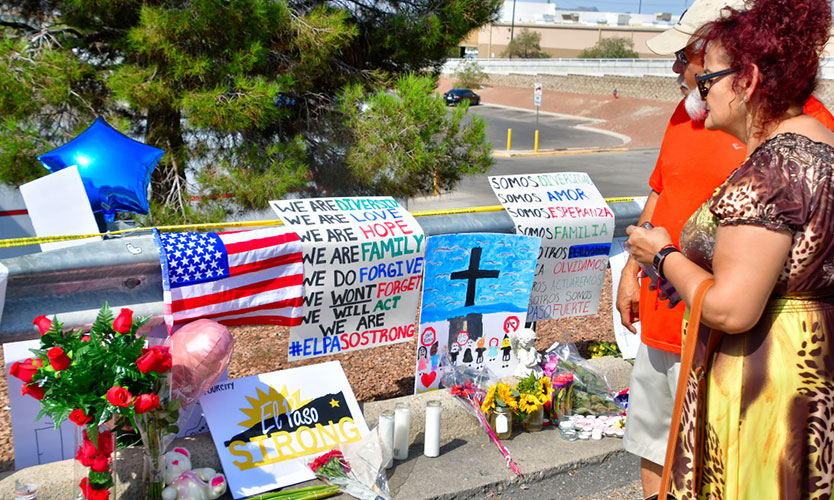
{"x":614,"y":174}
{"x":555,"y":131}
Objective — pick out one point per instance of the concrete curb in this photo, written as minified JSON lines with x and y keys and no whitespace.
{"x":555,"y":152}
{"x":470,"y":466}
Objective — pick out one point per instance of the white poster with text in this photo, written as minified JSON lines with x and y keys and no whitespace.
{"x":363,"y":269}
{"x":266,"y":427}
{"x":576,"y":227}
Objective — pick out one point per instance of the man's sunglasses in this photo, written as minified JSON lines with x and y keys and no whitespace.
{"x":705,"y":81}
{"x":681,"y":57}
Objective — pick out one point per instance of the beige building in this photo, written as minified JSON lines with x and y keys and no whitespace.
{"x":558,"y":40}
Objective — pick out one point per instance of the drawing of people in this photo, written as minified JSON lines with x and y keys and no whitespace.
{"x":453,"y":352}
{"x":467,"y":354}
{"x":505,"y":349}
{"x":493,"y":348}
{"x":435,"y":356}
{"x":480,"y":350}
{"x":422,"y":358}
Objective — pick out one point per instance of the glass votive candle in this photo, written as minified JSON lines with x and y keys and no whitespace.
{"x":402,"y":429}
{"x":431,"y":442}
{"x":386,"y":434}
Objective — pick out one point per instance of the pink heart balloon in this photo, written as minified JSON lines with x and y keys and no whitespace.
{"x":200,"y":352}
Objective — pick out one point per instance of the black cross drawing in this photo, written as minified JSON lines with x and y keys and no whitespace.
{"x":473,"y":274}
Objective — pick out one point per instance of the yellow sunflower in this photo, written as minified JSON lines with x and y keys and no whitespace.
{"x":489,"y":400}
{"x":545,"y":390}
{"x":528,"y":403}
{"x":505,"y":392}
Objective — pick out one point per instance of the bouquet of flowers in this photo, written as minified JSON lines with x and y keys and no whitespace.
{"x":524,"y":398}
{"x":105,"y":377}
{"x":500,"y":394}
{"x":600,"y":349}
{"x":333,"y":469}
{"x":532,"y":393}
{"x":466,"y":384}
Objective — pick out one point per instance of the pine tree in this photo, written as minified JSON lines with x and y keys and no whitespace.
{"x":405,"y":142}
{"x":241,"y":94}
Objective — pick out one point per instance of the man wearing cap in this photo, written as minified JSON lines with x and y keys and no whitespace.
{"x":693,"y":161}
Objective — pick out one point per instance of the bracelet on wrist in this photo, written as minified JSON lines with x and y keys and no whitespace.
{"x":660,"y":258}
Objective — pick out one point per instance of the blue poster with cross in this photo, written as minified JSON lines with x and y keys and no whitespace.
{"x":475,"y":294}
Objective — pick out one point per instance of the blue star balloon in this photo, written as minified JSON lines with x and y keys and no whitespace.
{"x":116,"y":170}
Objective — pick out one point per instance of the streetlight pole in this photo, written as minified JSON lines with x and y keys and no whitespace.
{"x":640,"y":7}
{"x":512,"y":27}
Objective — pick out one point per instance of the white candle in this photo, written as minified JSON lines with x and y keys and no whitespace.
{"x":402,"y":428}
{"x":386,"y":434}
{"x":431,"y":446}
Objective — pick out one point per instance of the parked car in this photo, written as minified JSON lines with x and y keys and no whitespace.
{"x":454,"y":96}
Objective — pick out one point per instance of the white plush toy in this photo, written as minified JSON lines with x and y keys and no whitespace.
{"x":182,"y":483}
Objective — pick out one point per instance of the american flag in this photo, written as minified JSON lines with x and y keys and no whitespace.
{"x":235,"y":278}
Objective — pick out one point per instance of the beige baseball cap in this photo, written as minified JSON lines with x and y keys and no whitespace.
{"x":698,"y":14}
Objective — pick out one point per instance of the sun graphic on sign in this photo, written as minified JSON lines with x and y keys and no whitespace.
{"x":271,"y":404}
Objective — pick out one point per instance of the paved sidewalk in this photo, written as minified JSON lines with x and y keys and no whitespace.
{"x":469,"y":467}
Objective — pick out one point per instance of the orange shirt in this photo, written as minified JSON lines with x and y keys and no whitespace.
{"x":693,"y":162}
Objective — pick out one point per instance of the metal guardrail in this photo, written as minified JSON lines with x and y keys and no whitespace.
{"x":592,"y":67}
{"x":73,"y":283}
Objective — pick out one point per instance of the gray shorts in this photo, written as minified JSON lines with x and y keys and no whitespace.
{"x":651,"y":399}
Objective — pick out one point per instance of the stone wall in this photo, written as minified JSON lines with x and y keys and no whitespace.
{"x":647,"y":87}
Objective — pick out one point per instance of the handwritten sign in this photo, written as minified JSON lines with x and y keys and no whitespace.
{"x":476,"y":294}
{"x":363,"y":269}
{"x":575,"y":225}
{"x":265,"y":427}
{"x":34,"y":442}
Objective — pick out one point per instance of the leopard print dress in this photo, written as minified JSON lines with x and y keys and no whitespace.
{"x":769,"y":414}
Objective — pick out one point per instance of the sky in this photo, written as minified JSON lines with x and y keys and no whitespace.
{"x":675,"y":7}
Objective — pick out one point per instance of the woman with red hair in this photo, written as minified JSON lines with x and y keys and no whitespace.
{"x":766,"y":238}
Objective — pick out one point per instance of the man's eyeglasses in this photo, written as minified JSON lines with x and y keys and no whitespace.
{"x":681,"y":57}
{"x":705,"y":81}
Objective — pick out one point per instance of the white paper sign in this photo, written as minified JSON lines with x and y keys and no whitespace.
{"x":58,"y":206}
{"x":626,"y":341}
{"x":38,"y":442}
{"x":363,"y":267}
{"x":576,"y":226}
{"x":4,"y":280}
{"x":266,"y":427}
{"x":477,"y":288}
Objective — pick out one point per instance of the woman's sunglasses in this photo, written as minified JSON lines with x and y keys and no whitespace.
{"x":681,"y":57}
{"x":705,"y":81}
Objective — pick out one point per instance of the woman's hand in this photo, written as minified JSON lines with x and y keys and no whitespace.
{"x":644,"y":243}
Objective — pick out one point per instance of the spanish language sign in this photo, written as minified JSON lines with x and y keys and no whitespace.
{"x":575,"y":225}
{"x":363,"y":269}
{"x":476,"y":294}
{"x":264,"y":426}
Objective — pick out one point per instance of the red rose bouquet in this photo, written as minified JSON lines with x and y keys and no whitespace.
{"x":333,"y":469}
{"x":106,"y":376}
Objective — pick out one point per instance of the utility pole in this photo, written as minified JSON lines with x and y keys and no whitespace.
{"x":512,"y":26}
{"x":640,"y":7}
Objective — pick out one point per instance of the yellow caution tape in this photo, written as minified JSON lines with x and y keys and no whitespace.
{"x":453,"y":211}
{"x":37,"y":240}
{"x":622,"y":199}
{"x":19,"y":242}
